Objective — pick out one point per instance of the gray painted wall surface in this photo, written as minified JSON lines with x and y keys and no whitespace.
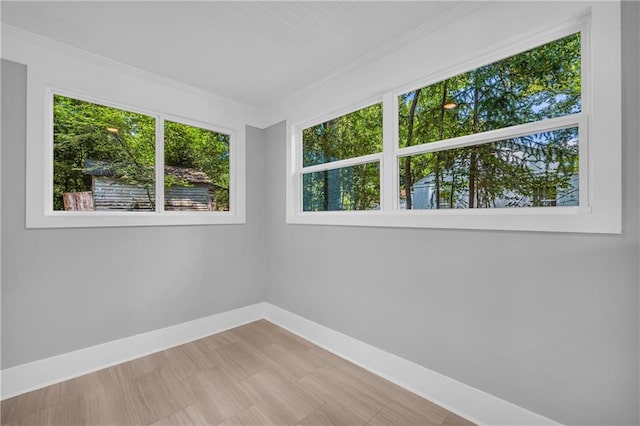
{"x":67,"y":289}
{"x":548,"y":321}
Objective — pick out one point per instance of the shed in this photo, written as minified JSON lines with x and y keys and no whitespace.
{"x":113,"y":193}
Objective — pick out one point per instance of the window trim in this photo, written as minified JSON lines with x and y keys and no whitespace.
{"x":338,"y":164}
{"x":57,"y":218}
{"x":592,"y":215}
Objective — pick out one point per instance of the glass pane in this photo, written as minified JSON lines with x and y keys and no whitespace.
{"x":347,"y":188}
{"x":196,"y":171}
{"x":539,"y":170}
{"x":353,"y":135}
{"x":539,"y":84}
{"x":103,"y":157}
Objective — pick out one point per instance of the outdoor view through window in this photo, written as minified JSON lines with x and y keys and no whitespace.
{"x":355,"y":187}
{"x":104,"y":159}
{"x":443,"y":159}
{"x":535,"y":170}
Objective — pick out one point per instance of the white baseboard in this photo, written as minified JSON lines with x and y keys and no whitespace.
{"x":466,"y":401}
{"x":34,"y":375}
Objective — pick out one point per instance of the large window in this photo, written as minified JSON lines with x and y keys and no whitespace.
{"x":540,"y":87}
{"x":110,"y":160}
{"x":503,"y":143}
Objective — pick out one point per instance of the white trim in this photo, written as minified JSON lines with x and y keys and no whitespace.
{"x":457,"y":397}
{"x":388,"y":165}
{"x":466,"y":401}
{"x":159,"y":166}
{"x":341,"y":164}
{"x":34,"y":375}
{"x":568,"y":121}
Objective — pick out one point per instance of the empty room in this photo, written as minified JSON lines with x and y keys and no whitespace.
{"x":320,"y":213}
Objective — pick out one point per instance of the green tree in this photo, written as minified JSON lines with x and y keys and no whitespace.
{"x":200,"y":149}
{"x":86,"y":131}
{"x":536,"y":85}
{"x":351,"y":188}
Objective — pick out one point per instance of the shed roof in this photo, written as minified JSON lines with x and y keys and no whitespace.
{"x":103,"y":168}
{"x":187,"y":174}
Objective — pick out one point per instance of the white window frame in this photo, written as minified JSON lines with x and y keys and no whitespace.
{"x":338,"y":164}
{"x":598,"y":122}
{"x":47,"y":217}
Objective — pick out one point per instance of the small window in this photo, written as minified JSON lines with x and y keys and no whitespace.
{"x":347,"y":188}
{"x":341,"y":162}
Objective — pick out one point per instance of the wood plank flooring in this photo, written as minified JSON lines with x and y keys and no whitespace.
{"x":256,"y":374}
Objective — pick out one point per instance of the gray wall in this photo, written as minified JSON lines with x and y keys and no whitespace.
{"x":548,"y":321}
{"x":66,"y":289}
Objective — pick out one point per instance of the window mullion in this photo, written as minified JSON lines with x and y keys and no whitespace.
{"x":389,"y":166}
{"x":159,"y":165}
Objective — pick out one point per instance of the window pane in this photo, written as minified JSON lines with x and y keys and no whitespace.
{"x":103,"y":157}
{"x":539,"y":84}
{"x":538,"y":170}
{"x":353,"y":135}
{"x":196,"y":172}
{"x":347,"y":188}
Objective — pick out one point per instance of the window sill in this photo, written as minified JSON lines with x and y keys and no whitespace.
{"x":559,"y":219}
{"x":124,"y":219}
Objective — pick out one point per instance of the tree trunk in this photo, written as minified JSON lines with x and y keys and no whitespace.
{"x":453,"y":188}
{"x":408,"y":181}
{"x":326,"y":152}
{"x":473,"y":161}
{"x":325,"y":190}
{"x":440,"y":137}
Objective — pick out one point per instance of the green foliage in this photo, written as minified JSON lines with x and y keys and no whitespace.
{"x":535,"y":85}
{"x":199,"y":149}
{"x":97,"y":139}
{"x":347,"y":188}
{"x":86,"y":131}
{"x":533,"y":170}
{"x":353,"y":135}
{"x":351,"y":188}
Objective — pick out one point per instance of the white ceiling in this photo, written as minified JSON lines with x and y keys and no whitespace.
{"x":253,"y":52}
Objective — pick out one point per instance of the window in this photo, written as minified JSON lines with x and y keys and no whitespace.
{"x":341,"y":162}
{"x":196,"y":171}
{"x":507,"y":141}
{"x":112,"y":162}
{"x":103,"y":157}
{"x":541,"y":88}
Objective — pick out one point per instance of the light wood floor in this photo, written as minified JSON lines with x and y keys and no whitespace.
{"x":256,"y":374}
